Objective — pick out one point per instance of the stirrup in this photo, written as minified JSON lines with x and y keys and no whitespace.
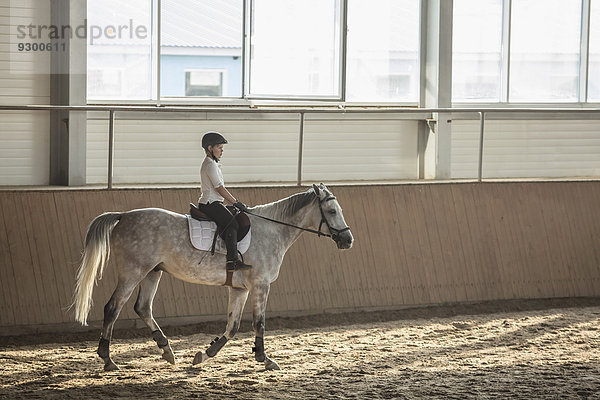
{"x":237,"y":265}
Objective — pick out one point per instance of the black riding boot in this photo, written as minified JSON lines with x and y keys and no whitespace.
{"x":233,"y":262}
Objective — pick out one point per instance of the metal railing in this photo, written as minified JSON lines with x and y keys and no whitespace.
{"x":301,"y":111}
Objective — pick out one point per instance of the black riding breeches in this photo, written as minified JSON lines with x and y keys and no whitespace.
{"x":227,"y":224}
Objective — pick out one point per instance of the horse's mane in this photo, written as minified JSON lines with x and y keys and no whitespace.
{"x":287,"y":207}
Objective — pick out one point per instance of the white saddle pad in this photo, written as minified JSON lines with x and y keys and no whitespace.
{"x":202,"y":233}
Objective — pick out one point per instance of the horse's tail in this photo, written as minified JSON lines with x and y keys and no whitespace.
{"x":95,"y":257}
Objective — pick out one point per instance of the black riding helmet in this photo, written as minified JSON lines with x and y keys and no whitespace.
{"x":212,"y":139}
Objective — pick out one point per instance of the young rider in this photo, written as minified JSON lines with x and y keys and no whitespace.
{"x":213,"y":195}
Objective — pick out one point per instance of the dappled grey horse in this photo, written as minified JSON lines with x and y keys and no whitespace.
{"x":150,"y":241}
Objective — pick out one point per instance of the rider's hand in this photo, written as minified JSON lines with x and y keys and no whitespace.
{"x":240,"y":206}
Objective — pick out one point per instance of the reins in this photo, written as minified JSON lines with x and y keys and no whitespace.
{"x":319,"y":233}
{"x":333,"y":235}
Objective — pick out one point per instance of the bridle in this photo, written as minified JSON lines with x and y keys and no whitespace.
{"x":334,"y":232}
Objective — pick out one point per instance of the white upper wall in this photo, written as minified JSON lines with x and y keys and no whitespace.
{"x":525,"y":149}
{"x":24,"y":79}
{"x":158,"y":151}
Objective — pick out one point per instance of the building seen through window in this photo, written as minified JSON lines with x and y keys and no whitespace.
{"x":204,"y":83}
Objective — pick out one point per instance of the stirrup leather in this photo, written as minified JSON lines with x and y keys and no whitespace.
{"x":231,"y":267}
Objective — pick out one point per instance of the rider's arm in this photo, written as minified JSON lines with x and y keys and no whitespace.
{"x":226,"y":195}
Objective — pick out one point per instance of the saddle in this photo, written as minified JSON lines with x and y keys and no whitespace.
{"x":241,"y":218}
{"x":243,"y":229}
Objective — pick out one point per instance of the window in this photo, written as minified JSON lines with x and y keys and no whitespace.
{"x":523,"y":51}
{"x":201,"y":48}
{"x":477,"y":50}
{"x":119,"y":50}
{"x":204,"y":83}
{"x":291,"y":50}
{"x":383,"y":50}
{"x":294,"y":48}
{"x":545,"y":46}
{"x":503,"y":50}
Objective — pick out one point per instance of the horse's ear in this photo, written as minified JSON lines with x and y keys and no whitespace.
{"x":317,"y":190}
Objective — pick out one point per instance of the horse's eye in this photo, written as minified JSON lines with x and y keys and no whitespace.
{"x":332,"y":212}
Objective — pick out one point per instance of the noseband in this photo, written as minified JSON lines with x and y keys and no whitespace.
{"x":335,"y":233}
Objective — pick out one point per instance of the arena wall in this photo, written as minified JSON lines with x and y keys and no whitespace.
{"x":416,"y":244}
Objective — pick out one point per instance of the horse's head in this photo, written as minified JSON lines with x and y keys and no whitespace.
{"x":333,"y":218}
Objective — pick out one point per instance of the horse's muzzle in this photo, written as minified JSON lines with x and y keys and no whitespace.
{"x":344,"y":240}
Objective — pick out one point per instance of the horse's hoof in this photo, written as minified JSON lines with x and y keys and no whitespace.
{"x":200,"y":358}
{"x":271,"y":365}
{"x":111,"y":366}
{"x":168,"y":356}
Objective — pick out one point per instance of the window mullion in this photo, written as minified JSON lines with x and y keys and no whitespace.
{"x":245,"y":37}
{"x":584,"y":51}
{"x":248,"y":28}
{"x":344,"y":48}
{"x":506,"y":37}
{"x":156,"y":40}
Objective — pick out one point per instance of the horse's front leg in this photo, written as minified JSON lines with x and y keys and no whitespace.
{"x":260,"y":295}
{"x":237,"y":301}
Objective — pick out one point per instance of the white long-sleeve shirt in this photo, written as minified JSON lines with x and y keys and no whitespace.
{"x":211,"y":178}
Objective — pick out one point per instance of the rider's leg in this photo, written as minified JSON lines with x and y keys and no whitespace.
{"x":229,"y":227}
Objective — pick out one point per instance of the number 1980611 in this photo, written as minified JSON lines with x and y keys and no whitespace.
{"x":41,"y":46}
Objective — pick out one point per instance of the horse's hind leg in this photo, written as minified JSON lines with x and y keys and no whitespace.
{"x":111,"y":313}
{"x":237,"y":301}
{"x":143,"y":308}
